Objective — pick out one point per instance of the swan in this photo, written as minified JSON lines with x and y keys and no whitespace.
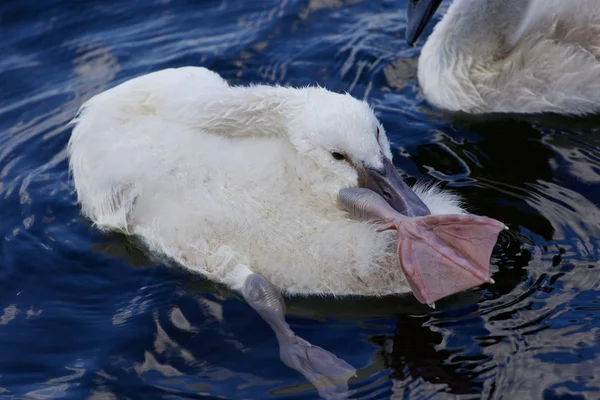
{"x":267,"y":189}
{"x":510,"y":56}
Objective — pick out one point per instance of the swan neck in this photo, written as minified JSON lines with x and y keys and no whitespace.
{"x":480,"y":28}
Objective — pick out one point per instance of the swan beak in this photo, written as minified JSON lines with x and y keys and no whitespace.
{"x":418,"y":15}
{"x":389,"y":184}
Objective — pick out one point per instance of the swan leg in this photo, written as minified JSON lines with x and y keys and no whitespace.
{"x":328,"y":373}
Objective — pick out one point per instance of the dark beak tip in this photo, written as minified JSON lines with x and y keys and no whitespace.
{"x":419,"y":13}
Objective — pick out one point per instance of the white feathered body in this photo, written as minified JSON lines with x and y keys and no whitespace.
{"x":152,"y":158}
{"x":514,"y":56}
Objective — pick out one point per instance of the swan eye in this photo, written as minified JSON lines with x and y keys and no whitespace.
{"x":338,"y":156}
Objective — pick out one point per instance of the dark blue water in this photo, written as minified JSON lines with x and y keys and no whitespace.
{"x":88,"y":316}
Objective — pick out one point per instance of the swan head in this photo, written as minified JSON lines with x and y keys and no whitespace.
{"x":343,"y":137}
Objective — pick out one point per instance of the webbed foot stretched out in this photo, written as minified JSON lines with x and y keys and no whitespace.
{"x":439,"y":254}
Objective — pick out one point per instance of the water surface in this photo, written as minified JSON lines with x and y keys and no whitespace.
{"x":85,"y":315}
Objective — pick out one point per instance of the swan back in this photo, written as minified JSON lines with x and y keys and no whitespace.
{"x":514,"y":56}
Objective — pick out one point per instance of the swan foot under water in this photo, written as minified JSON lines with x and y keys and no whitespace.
{"x":440,"y":255}
{"x":328,"y":373}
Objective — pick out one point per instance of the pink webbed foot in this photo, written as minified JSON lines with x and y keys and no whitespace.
{"x":439,"y":254}
{"x":444,"y":254}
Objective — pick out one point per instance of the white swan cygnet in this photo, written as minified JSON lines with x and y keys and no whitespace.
{"x":241,"y":184}
{"x":510,"y":56}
